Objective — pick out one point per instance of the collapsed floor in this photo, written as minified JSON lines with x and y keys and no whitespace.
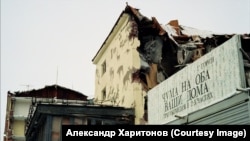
{"x":166,"y":49}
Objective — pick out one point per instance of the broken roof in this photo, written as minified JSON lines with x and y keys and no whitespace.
{"x":170,"y":28}
{"x":51,"y":91}
{"x":169,"y":47}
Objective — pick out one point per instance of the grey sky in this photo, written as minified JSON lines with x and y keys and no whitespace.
{"x":49,"y":41}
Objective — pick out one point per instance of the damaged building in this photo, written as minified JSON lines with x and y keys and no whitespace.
{"x":21,"y":106}
{"x":146,"y":73}
{"x":140,"y":53}
{"x":37,"y":115}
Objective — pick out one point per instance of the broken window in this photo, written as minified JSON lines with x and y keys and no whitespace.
{"x":104,"y":94}
{"x":103,"y":67}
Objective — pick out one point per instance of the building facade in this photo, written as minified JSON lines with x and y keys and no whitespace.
{"x":38,"y":115}
{"x":16,"y":115}
{"x":48,"y":119}
{"x":116,"y":61}
{"x":147,"y":54}
{"x":22,"y":105}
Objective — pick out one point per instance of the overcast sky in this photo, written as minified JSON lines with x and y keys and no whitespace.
{"x":44,"y":42}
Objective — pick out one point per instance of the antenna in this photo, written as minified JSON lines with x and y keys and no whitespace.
{"x":56,"y":75}
{"x":53,"y":100}
{"x":27,"y":86}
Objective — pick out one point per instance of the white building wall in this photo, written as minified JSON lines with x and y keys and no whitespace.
{"x":122,"y":59}
{"x":21,"y":107}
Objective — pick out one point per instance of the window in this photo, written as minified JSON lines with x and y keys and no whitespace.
{"x":89,"y":121}
{"x":103,"y":67}
{"x":103,"y":94}
{"x":98,"y":122}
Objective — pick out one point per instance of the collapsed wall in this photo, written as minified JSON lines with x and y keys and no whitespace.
{"x":166,"y":49}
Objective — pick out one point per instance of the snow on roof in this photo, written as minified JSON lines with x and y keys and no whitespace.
{"x":185,"y":30}
{"x":193,"y":31}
